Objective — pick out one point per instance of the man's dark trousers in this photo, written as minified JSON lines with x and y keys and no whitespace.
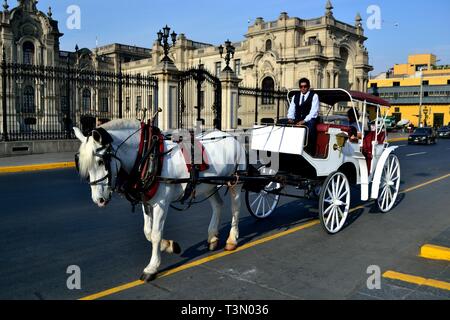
{"x":312,"y":137}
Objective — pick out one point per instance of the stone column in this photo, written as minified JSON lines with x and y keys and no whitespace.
{"x":168,"y":75}
{"x":229,"y":83}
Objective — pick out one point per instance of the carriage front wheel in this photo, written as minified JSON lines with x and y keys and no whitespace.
{"x":261,"y":205}
{"x":389,"y":185}
{"x":334,"y":202}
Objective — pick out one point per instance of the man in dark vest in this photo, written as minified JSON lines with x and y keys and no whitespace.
{"x":304,"y":110}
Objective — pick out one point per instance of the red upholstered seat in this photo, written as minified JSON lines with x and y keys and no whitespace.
{"x":367,"y":145}
{"x":323,"y":138}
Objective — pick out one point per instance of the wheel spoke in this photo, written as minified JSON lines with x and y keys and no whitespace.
{"x":384,"y":199}
{"x":343,"y":195}
{"x":257,"y":198}
{"x":333,"y":188}
{"x":333,"y":219}
{"x":257,"y":209}
{"x":340,"y":190}
{"x":341,"y":214}
{"x":330,"y":214}
{"x":327,"y":211}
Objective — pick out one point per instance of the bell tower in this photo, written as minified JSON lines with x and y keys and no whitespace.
{"x":28,"y":5}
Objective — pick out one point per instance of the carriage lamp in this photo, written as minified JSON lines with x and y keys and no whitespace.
{"x":163,"y":40}
{"x":341,"y":139}
{"x":230,"y":50}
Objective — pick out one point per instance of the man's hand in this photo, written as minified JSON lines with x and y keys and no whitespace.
{"x":290,"y":121}
{"x":300,"y":123}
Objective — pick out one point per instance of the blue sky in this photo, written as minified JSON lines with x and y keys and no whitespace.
{"x":408,"y":26}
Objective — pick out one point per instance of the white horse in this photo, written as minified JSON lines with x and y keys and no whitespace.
{"x":226,"y":156}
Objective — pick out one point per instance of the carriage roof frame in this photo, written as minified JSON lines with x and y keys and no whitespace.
{"x":337,"y":95}
{"x":333,"y":96}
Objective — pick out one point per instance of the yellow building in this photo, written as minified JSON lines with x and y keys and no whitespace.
{"x":409,"y":84}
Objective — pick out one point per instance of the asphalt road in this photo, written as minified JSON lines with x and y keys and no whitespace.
{"x":48,"y":223}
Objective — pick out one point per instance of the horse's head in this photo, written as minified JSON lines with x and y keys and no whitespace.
{"x":97,"y":163}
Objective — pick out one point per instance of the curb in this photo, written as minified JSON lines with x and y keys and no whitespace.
{"x":434,"y":252}
{"x":397,"y":139}
{"x":37,"y":167}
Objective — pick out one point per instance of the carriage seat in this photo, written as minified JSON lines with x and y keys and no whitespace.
{"x":367,"y":145}
{"x":323,"y":138}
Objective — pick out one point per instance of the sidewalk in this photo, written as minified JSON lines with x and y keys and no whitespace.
{"x":37,"y":162}
{"x":48,"y":161}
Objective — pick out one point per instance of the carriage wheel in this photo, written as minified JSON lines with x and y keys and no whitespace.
{"x":390,"y":184}
{"x":261,"y":205}
{"x":334,"y":202}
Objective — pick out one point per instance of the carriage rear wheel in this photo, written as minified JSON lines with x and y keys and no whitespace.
{"x":261,"y":205}
{"x":389,"y":185}
{"x":334,"y":202}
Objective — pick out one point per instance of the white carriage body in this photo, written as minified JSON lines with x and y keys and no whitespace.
{"x":292,"y":140}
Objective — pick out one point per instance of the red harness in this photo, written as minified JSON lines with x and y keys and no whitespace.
{"x":189,"y":158}
{"x":142,"y":184}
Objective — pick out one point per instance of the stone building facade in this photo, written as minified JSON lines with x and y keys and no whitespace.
{"x":273,"y":55}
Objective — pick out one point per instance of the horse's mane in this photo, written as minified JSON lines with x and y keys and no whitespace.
{"x":121,"y":124}
{"x":87,"y":148}
{"x":86,"y":158}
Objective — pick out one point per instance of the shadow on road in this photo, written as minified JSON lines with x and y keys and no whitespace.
{"x":284,"y":218}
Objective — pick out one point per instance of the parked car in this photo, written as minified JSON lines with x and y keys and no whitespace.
{"x":423,"y":136}
{"x":444,"y":132}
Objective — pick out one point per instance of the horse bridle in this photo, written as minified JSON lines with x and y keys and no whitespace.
{"x":106,"y":154}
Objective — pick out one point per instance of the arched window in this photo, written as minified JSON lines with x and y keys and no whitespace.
{"x":28,"y":100}
{"x":28,"y":53}
{"x":86,"y":101}
{"x":268,"y":88}
{"x":268,"y":45}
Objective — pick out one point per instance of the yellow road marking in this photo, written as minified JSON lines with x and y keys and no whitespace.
{"x":426,"y":183}
{"x":397,"y":139}
{"x":202,"y":261}
{"x":226,"y":253}
{"x":37,"y":167}
{"x":417,"y":280}
{"x":433,"y":252}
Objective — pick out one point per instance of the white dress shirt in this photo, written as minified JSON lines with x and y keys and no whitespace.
{"x":314,"y":107}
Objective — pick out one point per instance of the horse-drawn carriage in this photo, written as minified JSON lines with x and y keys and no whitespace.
{"x":128,"y":157}
{"x":335,"y":164}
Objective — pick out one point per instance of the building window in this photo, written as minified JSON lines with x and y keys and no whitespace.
{"x":138,"y":103}
{"x":28,"y":53}
{"x":28,"y":100}
{"x":426,"y":82}
{"x":396,"y":84}
{"x":104,"y":101}
{"x":218,"y":68}
{"x":202,"y":99}
{"x":374,"y":85}
{"x":237,"y":67}
{"x":448,"y":81}
{"x":397,"y":110}
{"x":268,"y":45}
{"x":150,"y":102}
{"x":268,"y":87}
{"x":127,"y":104}
{"x":86,"y":101}
{"x":64,"y":100}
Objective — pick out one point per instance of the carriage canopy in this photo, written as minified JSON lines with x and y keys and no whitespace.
{"x":333,"y":96}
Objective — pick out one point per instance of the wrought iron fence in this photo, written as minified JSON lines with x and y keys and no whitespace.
{"x":45,"y":103}
{"x":258,"y":106}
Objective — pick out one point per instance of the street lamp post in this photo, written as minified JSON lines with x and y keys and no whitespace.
{"x":230,"y":50}
{"x":163,"y":40}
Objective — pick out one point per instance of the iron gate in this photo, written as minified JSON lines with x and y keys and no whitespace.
{"x":45,"y":103}
{"x":200,"y":100}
